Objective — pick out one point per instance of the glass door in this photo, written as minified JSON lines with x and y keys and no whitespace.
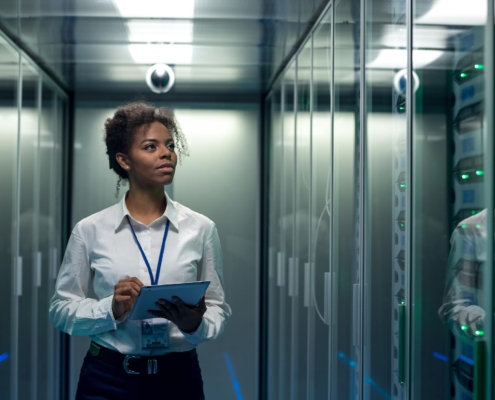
{"x":274,"y":253}
{"x":302,"y":178}
{"x":9,"y":75}
{"x":318,"y":278}
{"x":452,"y":291}
{"x":29,"y":259}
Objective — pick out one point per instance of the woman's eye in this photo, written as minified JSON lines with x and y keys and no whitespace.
{"x":171,"y":146}
{"x":148,"y":146}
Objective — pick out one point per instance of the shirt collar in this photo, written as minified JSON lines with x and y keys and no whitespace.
{"x":170,"y":212}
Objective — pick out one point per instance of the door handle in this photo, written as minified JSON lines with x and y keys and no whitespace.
{"x":38,"y":268}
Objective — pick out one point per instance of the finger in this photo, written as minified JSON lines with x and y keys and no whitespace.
{"x":137,"y":281}
{"x":170,"y":307}
{"x":157,"y":314}
{"x":179,"y":304}
{"x":128,"y":291}
{"x":122,"y":298}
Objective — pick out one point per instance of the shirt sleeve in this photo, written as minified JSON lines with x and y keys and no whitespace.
{"x":70,"y":309}
{"x":217,"y":310}
{"x":461,"y":304}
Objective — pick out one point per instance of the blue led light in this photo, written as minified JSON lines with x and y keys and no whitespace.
{"x":235,"y":382}
{"x":440,"y":356}
{"x":347,"y":360}
{"x":466,"y":359}
{"x":375,"y":386}
{"x":4,"y":356}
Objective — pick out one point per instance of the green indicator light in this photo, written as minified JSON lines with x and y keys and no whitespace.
{"x":464,"y":327}
{"x":465,"y":176}
{"x":402,"y":302}
{"x":478,"y":226}
{"x":480,"y":172}
{"x":463,"y":75}
{"x":402,"y":185}
{"x":463,"y":226}
{"x":479,"y":333}
{"x":473,"y":212}
{"x":402,"y":225}
{"x":479,"y":66}
{"x":402,"y":108}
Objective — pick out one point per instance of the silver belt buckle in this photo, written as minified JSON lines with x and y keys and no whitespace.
{"x":126,"y":365}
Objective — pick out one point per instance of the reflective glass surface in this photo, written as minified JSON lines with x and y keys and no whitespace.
{"x":320,"y":290}
{"x":28,"y":229}
{"x":302,"y":224}
{"x":9,"y":71}
{"x":344,"y":350}
{"x":385,"y":200}
{"x":450,"y":294}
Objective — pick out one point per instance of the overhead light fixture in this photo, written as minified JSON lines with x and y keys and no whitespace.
{"x":161,"y":53}
{"x":159,"y":31}
{"x":160,"y":78}
{"x":156,"y":9}
{"x":397,"y":58}
{"x":455,"y":12}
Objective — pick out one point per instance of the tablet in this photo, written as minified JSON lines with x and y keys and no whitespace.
{"x":190,"y":293}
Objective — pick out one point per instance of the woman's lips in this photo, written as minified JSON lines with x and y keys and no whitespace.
{"x":166,"y":168}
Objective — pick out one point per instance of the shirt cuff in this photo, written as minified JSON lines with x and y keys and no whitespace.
{"x":106,"y":307}
{"x":197,"y":336}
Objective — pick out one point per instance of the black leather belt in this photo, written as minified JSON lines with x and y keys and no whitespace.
{"x":136,"y":365}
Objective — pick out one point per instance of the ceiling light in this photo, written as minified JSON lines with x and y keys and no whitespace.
{"x":455,"y":12}
{"x":161,"y":53}
{"x":397,"y":58}
{"x":156,"y":9}
{"x":156,"y":31}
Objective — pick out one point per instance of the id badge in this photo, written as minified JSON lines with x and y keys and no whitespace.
{"x":154,"y":334}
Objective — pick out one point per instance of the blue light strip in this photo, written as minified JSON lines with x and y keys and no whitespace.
{"x":367,"y":379}
{"x":375,"y":386}
{"x":466,"y":359}
{"x":4,"y":356}
{"x":440,"y":356}
{"x":235,"y":382}
{"x":346,"y":360}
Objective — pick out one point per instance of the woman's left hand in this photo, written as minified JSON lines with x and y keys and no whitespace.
{"x":186,"y":318}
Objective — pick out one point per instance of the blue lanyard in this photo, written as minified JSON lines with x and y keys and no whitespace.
{"x":154,"y":281}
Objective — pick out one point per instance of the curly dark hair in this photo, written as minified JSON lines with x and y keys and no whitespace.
{"x":127,"y":121}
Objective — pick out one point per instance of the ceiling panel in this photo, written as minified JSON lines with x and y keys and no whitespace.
{"x":224,"y":45}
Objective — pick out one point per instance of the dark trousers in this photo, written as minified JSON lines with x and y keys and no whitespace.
{"x":102,"y":381}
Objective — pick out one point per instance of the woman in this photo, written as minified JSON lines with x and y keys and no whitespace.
{"x":117,"y":250}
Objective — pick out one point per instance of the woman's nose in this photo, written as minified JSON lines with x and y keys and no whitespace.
{"x":166,"y":153}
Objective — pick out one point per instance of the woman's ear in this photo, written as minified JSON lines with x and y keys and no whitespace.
{"x":123,"y":161}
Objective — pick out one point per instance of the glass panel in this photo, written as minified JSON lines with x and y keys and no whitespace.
{"x":385,"y":199}
{"x":321,"y":173}
{"x":275,"y":162}
{"x":344,"y":349}
{"x":302,"y":178}
{"x":9,"y":71}
{"x":46,"y":226}
{"x":449,"y":231}
{"x":8,"y":15}
{"x":287,"y":220}
{"x":28,"y":232}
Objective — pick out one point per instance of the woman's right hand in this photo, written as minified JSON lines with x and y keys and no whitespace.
{"x":124,"y":296}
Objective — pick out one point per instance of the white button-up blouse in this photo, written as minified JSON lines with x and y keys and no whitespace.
{"x":102,"y":251}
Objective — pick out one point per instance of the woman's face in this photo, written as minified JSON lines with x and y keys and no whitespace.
{"x":152,"y":158}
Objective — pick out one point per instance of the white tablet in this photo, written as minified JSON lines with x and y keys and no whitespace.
{"x":190,"y":293}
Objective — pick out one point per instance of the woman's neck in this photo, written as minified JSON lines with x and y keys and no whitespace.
{"x":146,"y":205}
